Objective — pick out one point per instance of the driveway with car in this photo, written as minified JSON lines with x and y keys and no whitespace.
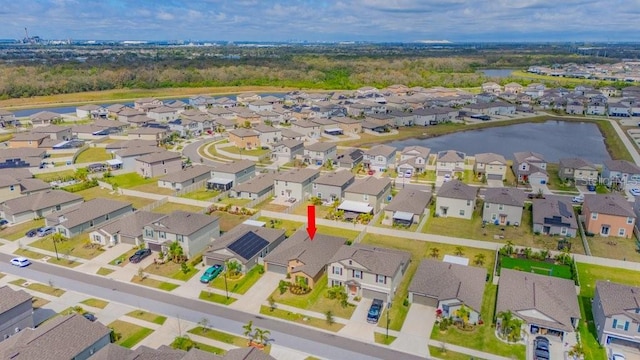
{"x":630,"y":353}
{"x":556,"y":347}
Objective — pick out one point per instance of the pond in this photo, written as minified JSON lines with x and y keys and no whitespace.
{"x":496,"y":73}
{"x":553,"y":139}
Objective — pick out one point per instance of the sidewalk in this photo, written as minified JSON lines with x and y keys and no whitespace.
{"x":464,"y":350}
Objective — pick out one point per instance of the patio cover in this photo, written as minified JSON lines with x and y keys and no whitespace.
{"x":217,"y":180}
{"x":355,"y":206}
{"x":114,"y":162}
{"x":401,"y":215}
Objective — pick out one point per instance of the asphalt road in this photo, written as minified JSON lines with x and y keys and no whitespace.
{"x":191,"y":151}
{"x":289,"y":335}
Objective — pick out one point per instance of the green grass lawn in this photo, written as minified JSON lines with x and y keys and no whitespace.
{"x":241,"y":285}
{"x":77,"y":246}
{"x":63,"y":261}
{"x":93,"y":154}
{"x":300,"y":319}
{"x":252,"y":152}
{"x":216,"y":298}
{"x":171,"y":270}
{"x":439,"y":353}
{"x":97,"y":192}
{"x":130,"y":180}
{"x":383,"y":339}
{"x":29,"y":254}
{"x":483,"y":337}
{"x":209,"y":348}
{"x":45,"y":289}
{"x":220,"y":336}
{"x":316,"y":300}
{"x":234,"y":201}
{"x":588,"y":275}
{"x":104,"y":271}
{"x":153,"y":188}
{"x":554,"y":180}
{"x":229,"y":221}
{"x":58,"y":175}
{"x":201,"y":194}
{"x":15,"y":232}
{"x":289,"y":226}
{"x":123,"y":259}
{"x":332,"y":231}
{"x":96,"y":303}
{"x":148,"y":316}
{"x":131,"y":334}
{"x":538,"y":267}
{"x":162,"y":285}
{"x":170,"y":207}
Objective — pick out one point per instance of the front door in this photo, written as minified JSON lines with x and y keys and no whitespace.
{"x":353,"y":289}
{"x":604,"y":230}
{"x":503,"y":219}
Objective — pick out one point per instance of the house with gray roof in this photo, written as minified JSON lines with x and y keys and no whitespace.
{"x":38,"y":205}
{"x":320,"y":153}
{"x":503,"y":206}
{"x":287,"y":150}
{"x":447,"y":287}
{"x":449,"y":162}
{"x":261,"y":185}
{"x":193,"y":232}
{"x":245,"y":244}
{"x":63,"y":337}
{"x":380,"y":158}
{"x":164,"y":352}
{"x":158,"y":164}
{"x":129,"y":155}
{"x":17,"y":182}
{"x":406,"y":207}
{"x":616,"y":313}
{"x":291,"y":135}
{"x":456,"y":199}
{"x":268,"y":135}
{"x":608,"y":215}
{"x":16,"y":311}
{"x":620,"y":172}
{"x":331,"y":186}
{"x":227,"y":175}
{"x":349,"y":158}
{"x":413,"y":159}
{"x":546,"y":304}
{"x":308,"y":129}
{"x":295,"y":184}
{"x":530,"y":167}
{"x":368,"y":271}
{"x":21,"y":157}
{"x":76,"y":219}
{"x":44,"y":118}
{"x":490,"y":165}
{"x":55,"y":132}
{"x":148,"y":133}
{"x":303,"y":259}
{"x":365,"y":196}
{"x":554,"y":215}
{"x":185,"y":177}
{"x":125,"y":229}
{"x":581,"y":171}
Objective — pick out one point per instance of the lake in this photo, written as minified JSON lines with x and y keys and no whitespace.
{"x":553,"y":139}
{"x":496,"y":73}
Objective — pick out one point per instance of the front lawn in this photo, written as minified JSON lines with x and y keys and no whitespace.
{"x":252,"y":152}
{"x":96,"y":303}
{"x":123,"y":259}
{"x":77,"y":246}
{"x":171,"y":270}
{"x":129,"y":334}
{"x":148,"y":316}
{"x":45,"y":289}
{"x":166,"y":286}
{"x":220,"y":336}
{"x":482,"y":337}
{"x":554,"y":180}
{"x":29,"y":254}
{"x":241,"y":285}
{"x":301,"y":319}
{"x":316,"y":300}
{"x":383,"y":339}
{"x":216,"y":298}
{"x":104,"y":271}
{"x":15,"y":232}
{"x":93,"y":155}
{"x":170,"y":207}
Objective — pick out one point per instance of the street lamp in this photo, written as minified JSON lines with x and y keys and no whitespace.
{"x":226,"y":288}
{"x":388,"y":319}
{"x":55,"y":247}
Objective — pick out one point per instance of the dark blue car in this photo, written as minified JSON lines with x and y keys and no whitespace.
{"x":374,"y":311}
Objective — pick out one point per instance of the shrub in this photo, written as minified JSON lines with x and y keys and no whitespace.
{"x":299,"y":290}
{"x":260,"y":269}
{"x":196,"y":260}
{"x":283,"y":286}
{"x":81,"y":186}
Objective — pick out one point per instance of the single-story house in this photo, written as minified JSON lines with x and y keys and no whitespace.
{"x":76,"y":219}
{"x":38,"y":205}
{"x":125,"y":229}
{"x":260,"y":185}
{"x":226,"y":176}
{"x":185,"y":177}
{"x":406,"y":207}
{"x":349,"y":158}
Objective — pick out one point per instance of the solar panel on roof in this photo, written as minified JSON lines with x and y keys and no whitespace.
{"x":563,"y":210}
{"x":248,"y":245}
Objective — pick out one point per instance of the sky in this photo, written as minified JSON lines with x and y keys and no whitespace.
{"x":324,"y":20}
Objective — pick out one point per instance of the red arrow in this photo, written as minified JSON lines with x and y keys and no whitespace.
{"x":311,"y":221}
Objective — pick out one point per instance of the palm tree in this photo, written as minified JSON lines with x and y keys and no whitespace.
{"x":262,"y":335}
{"x":505,"y":318}
{"x":175,"y":251}
{"x":459,"y":251}
{"x":479,"y":259}
{"x":435,"y":252}
{"x":233,"y":267}
{"x":248,"y":330}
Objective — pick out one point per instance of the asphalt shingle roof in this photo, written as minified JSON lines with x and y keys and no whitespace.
{"x":187,"y":174}
{"x":609,"y":204}
{"x":336,"y":178}
{"x":39,"y":200}
{"x":12,"y":298}
{"x":183,"y":222}
{"x":456,"y":189}
{"x":381,"y":261}
{"x":618,"y":299}
{"x":505,"y":196}
{"x":410,"y":200}
{"x":370,"y":185}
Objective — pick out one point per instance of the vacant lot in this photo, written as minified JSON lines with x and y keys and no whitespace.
{"x":170,"y":207}
{"x":538,"y":267}
{"x":93,"y":155}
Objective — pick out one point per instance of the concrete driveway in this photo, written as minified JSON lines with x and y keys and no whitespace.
{"x":358,"y":327}
{"x":536,"y":188}
{"x":556,"y":347}
{"x":259,"y":292}
{"x":630,"y":353}
{"x":416,"y":330}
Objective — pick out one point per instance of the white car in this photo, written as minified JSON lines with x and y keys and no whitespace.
{"x":447,"y":177}
{"x":20,"y":261}
{"x":617,"y":356}
{"x":635,"y":192}
{"x":407,"y":174}
{"x":578,"y":199}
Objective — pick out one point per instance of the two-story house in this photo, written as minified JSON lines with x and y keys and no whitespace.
{"x":294,"y":184}
{"x":620,"y":173}
{"x":577,"y":169}
{"x":287,"y":150}
{"x":158,"y":164}
{"x":554,"y":215}
{"x":413,"y":159}
{"x":16,"y":311}
{"x":331,"y":186}
{"x":227,"y":175}
{"x":616,"y":313}
{"x":503,"y":206}
{"x":491,"y":166}
{"x":320,"y":153}
{"x":268,"y":135}
{"x":365,"y":196}
{"x":367,"y":271}
{"x":608,"y":215}
{"x":308,"y":129}
{"x":349,"y":158}
{"x":244,"y":138}
{"x":530,"y":167}
{"x":193,"y":232}
{"x":379,"y":157}
{"x":456,"y":199}
{"x":449,"y":162}
{"x":76,"y":219}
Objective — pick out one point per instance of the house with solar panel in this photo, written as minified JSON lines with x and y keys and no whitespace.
{"x":193,"y":232}
{"x":244,"y":244}
{"x":554,"y":215}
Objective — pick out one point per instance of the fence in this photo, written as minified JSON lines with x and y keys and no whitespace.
{"x":259,"y":200}
{"x":105,"y":185}
{"x":75,"y":156}
{"x":154,"y":204}
{"x":193,"y":187}
{"x":360,"y":236}
{"x":423,"y":222}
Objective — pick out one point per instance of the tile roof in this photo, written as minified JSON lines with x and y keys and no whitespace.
{"x":618,"y":299}
{"x":456,"y":189}
{"x":444,"y":281}
{"x":182,"y":222}
{"x":409,"y":200}
{"x":376,"y":260}
{"x":298,"y":175}
{"x":12,"y":298}
{"x":525,"y":293}
{"x":370,"y":185}
{"x":335,"y":178}
{"x":505,"y":196}
{"x":39,"y":201}
{"x":187,"y":174}
{"x":609,"y":204}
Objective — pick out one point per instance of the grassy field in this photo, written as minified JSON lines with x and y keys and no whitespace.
{"x":483,"y":337}
{"x":77,"y":246}
{"x":201,"y":194}
{"x":220,"y":336}
{"x":241,"y":285}
{"x":560,"y":81}
{"x":229,"y":221}
{"x":148,"y":316}
{"x":316,"y":300}
{"x":131,"y":334}
{"x":170,"y":207}
{"x":153,"y":188}
{"x":538,"y":267}
{"x":15,"y":232}
{"x":45,"y":289}
{"x":162,"y":285}
{"x":93,"y":155}
{"x":29,"y":254}
{"x":439,"y":353}
{"x":58,"y":175}
{"x":96,"y":303}
{"x":613,"y":248}
{"x":130,"y":180}
{"x":216,"y":298}
{"x":252,"y":152}
{"x":288,"y":226}
{"x":300,"y":319}
{"x":171,"y":270}
{"x":97,"y":192}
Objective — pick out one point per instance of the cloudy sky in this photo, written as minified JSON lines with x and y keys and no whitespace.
{"x":324,"y":20}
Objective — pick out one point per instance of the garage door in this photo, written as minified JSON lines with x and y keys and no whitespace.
{"x":154,"y":247}
{"x":429,"y":301}
{"x":278,"y":269}
{"x":372,"y":294}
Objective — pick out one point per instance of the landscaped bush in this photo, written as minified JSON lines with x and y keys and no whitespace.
{"x":299,"y":290}
{"x":81,"y":186}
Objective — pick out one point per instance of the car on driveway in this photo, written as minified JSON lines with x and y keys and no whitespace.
{"x":89,"y":316}
{"x":591,"y":187}
{"x":541,"y":348}
{"x":635,"y":192}
{"x":3,"y":222}
{"x":615,"y":355}
{"x":578,"y":199}
{"x":46,"y":230}
{"x":139,"y":255}
{"x":211,"y":273}
{"x":20,"y":261}
{"x":374,"y":311}
{"x":31,"y":233}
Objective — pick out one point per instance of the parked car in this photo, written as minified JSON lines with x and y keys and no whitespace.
{"x":46,"y":230}
{"x":635,"y":192}
{"x":591,"y":187}
{"x":211,"y":273}
{"x":89,"y":316}
{"x":447,"y":177}
{"x":578,"y":199}
{"x":3,"y":222}
{"x":374,"y":311}
{"x":541,"y":348}
{"x":408,"y":174}
{"x":139,"y":255}
{"x":31,"y":233}
{"x":540,"y":354}
{"x":615,"y":355}
{"x":20,"y":261}
{"x":371,"y":172}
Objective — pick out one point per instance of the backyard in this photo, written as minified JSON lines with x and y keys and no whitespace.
{"x":15,"y":232}
{"x":229,"y":221}
{"x":58,"y":175}
{"x":201,"y":194}
{"x":93,"y":155}
{"x":129,"y":180}
{"x":170,"y":207}
{"x":535,"y":266}
{"x":97,"y":192}
{"x":77,"y":246}
{"x":614,"y":248}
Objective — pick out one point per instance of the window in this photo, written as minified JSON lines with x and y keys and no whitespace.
{"x":629,"y":220}
{"x":357,"y":274}
{"x":494,"y":217}
{"x":468,"y":202}
{"x":165,"y":171}
{"x":563,"y":231}
{"x":320,"y":195}
{"x":461,"y":212}
{"x":97,"y":238}
{"x":501,"y":207}
{"x":337,"y":270}
{"x":179,"y":238}
{"x":381,"y":279}
{"x":148,"y":233}
{"x":286,"y":183}
{"x":58,"y":207}
{"x":365,"y":197}
{"x":11,"y":187}
{"x":162,"y":234}
{"x":621,"y":232}
{"x":162,"y":162}
{"x":315,"y":186}
{"x":594,"y":216}
{"x":486,"y":206}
